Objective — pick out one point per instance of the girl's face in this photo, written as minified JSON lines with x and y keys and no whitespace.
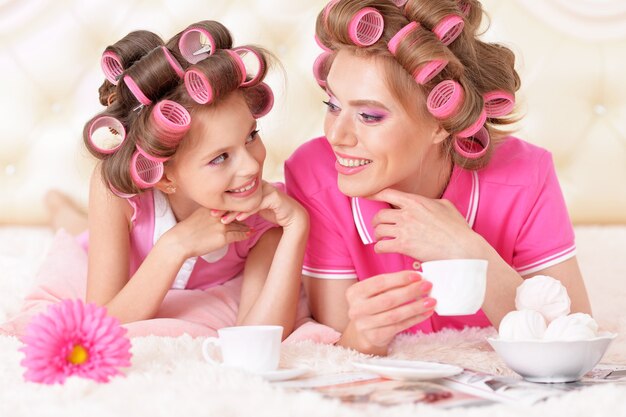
{"x":377,"y":143}
{"x":219,"y":164}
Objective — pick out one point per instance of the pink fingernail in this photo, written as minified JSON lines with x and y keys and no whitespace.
{"x":429,"y":302}
{"x":426,"y":286}
{"x":415,"y":277}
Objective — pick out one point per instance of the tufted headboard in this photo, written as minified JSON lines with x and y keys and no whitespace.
{"x":571,"y":55}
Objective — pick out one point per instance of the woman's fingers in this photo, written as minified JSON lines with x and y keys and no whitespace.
{"x":387,"y":246}
{"x":401,"y":314}
{"x":385,"y":230}
{"x":391,"y":299}
{"x":382,"y":336}
{"x":393,"y":197}
{"x":381,"y":283}
{"x":388,"y":216}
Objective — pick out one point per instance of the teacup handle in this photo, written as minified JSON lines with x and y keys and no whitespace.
{"x":210,"y":341}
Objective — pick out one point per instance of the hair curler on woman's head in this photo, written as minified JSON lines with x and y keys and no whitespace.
{"x":435,"y":65}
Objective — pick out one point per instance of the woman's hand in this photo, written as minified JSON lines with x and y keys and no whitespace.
{"x":382,"y":306}
{"x":276,"y":207}
{"x":423,"y":228}
{"x":202,"y":233}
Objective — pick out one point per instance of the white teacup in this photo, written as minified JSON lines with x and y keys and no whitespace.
{"x":252,"y":348}
{"x":458,"y":285}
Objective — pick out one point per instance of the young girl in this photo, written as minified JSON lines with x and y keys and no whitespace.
{"x":180,"y":203}
{"x":416,"y":166}
{"x":184,"y":234}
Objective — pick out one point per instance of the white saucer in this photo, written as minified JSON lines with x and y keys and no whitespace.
{"x":283,"y":374}
{"x":408,"y":370}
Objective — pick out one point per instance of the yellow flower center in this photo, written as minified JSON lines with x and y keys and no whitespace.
{"x":78,"y":355}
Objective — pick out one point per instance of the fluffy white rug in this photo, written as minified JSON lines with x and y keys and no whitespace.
{"x":168,"y":376}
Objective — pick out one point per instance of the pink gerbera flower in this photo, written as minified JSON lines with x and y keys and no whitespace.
{"x":72,"y":338}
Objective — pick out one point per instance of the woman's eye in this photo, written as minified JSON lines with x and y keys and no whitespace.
{"x":253,"y":135}
{"x":370,"y":118}
{"x":332,"y":108}
{"x":219,"y":160}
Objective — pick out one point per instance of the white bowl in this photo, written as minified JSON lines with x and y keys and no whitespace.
{"x":552,"y":361}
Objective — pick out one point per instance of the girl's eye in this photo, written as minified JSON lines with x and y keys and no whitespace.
{"x":253,"y":135}
{"x":332,"y":108}
{"x":370,"y":118}
{"x":219,"y":160}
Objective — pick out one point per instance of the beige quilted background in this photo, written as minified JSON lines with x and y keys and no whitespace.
{"x":571,"y":55}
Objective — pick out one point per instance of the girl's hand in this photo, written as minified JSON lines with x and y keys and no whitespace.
{"x":384,"y":305}
{"x":202,"y":233}
{"x":276,"y":207}
{"x":423,"y":228}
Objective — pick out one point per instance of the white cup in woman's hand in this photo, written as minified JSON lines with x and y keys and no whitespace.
{"x":458,"y":285}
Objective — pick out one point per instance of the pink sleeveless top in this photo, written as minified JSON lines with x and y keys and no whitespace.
{"x":153,"y":216}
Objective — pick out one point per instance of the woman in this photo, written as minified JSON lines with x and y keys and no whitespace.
{"x":416,"y":166}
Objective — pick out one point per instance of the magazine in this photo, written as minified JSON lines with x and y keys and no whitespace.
{"x":467,"y":389}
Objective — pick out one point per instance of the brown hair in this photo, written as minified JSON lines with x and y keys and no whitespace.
{"x":479,"y":67}
{"x":158,"y":80}
{"x":129,"y":49}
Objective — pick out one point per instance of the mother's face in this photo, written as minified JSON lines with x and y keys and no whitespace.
{"x":378,"y":144}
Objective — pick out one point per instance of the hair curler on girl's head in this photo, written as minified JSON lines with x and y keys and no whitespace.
{"x":160,"y":93}
{"x":199,"y":41}
{"x":121,"y":55}
{"x":260,"y":99}
{"x":207,"y":80}
{"x":105,"y":135}
{"x":149,"y":79}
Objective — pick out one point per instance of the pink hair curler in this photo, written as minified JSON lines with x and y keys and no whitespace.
{"x":198,"y":86}
{"x":449,"y":28}
{"x":399,"y":3}
{"x":320,"y":72}
{"x":106,"y":134}
{"x":473,"y":147}
{"x":196,"y":44}
{"x":172,"y":121}
{"x":465,"y":7}
{"x":134,"y":88}
{"x":242,"y":67}
{"x":146,"y":170}
{"x":366,"y":27}
{"x":267,"y":104}
{"x":474,"y":127}
{"x":402,"y":33}
{"x":498,"y":103}
{"x":256,"y":64}
{"x":444,"y":99}
{"x":173,"y":62}
{"x":112,"y":67}
{"x":321,"y":45}
{"x":429,"y":71}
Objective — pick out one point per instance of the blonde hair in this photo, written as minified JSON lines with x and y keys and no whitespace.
{"x":479,"y":67}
